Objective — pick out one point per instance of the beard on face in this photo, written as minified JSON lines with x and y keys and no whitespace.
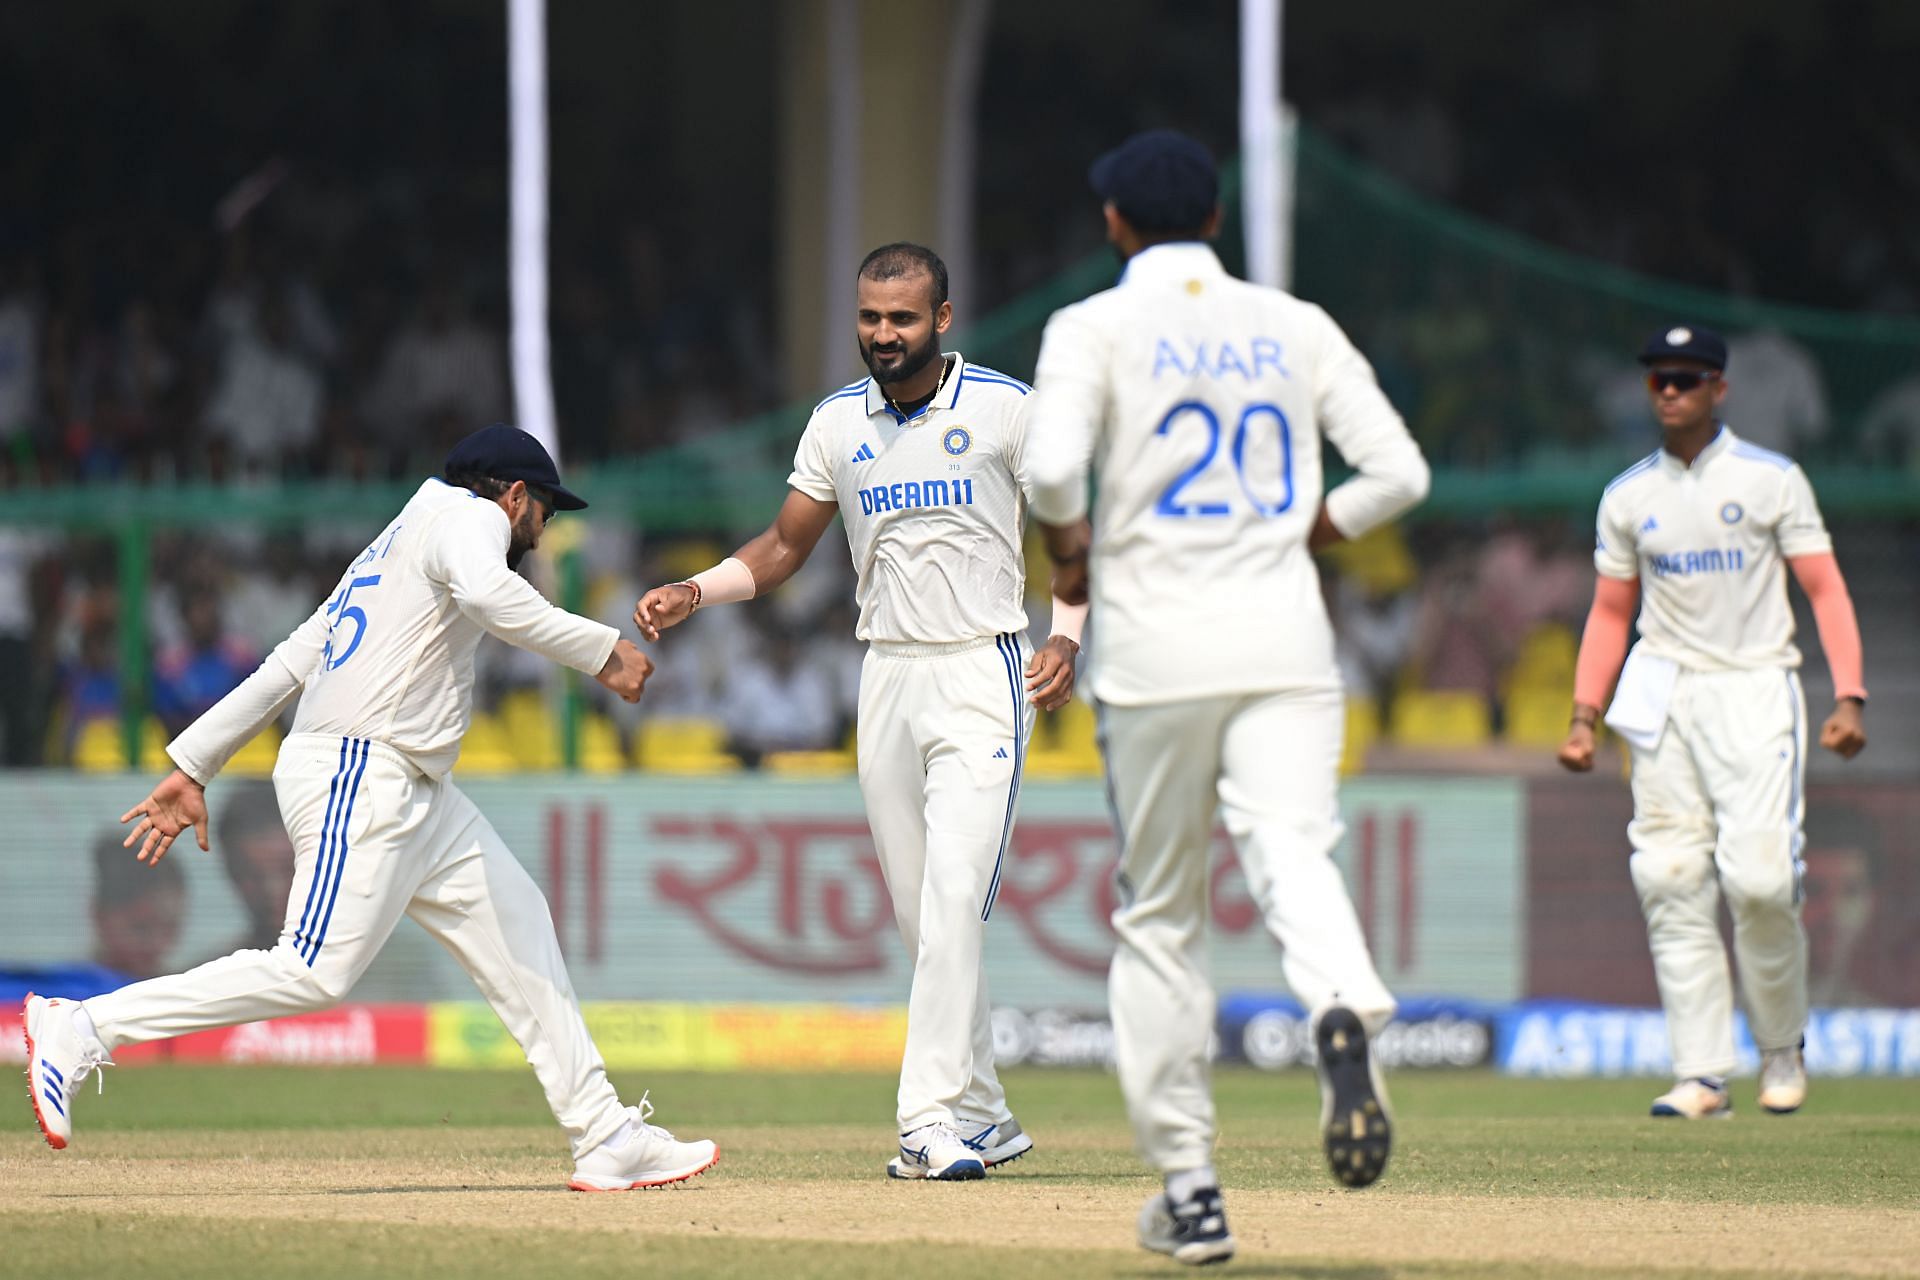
{"x":521,"y":539}
{"x":915,"y":359}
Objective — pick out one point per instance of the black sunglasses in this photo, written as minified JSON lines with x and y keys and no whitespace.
{"x":1678,"y":379}
{"x":545,"y":499}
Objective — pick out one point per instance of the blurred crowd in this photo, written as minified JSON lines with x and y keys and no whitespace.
{"x":1451,"y":611}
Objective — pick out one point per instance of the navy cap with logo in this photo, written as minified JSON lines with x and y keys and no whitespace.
{"x":1683,"y":342}
{"x":508,"y":453}
{"x":1160,"y":180}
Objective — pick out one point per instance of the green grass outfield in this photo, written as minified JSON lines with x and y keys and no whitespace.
{"x":192,"y":1171}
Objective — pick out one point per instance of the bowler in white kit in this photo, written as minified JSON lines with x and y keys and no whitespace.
{"x":1700,"y":534}
{"x":1198,"y":401}
{"x":384,"y":674}
{"x":925,"y":461}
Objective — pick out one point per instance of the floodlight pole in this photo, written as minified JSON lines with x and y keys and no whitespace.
{"x":1266,"y":148}
{"x":527,"y":237}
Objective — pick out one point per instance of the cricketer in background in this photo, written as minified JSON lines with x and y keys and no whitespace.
{"x":925,"y":462}
{"x":1198,"y":401}
{"x":1710,"y":702}
{"x":384,"y":674}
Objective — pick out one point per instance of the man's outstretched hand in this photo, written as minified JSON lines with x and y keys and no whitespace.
{"x":176,"y":804}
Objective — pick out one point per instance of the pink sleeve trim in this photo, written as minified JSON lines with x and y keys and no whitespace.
{"x":1603,"y":647}
{"x":1819,"y":576}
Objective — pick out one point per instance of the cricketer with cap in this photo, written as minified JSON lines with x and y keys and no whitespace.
{"x":1698,"y":534}
{"x":1199,"y":401}
{"x":384,"y":674}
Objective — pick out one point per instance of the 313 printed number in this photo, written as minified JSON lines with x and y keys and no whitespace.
{"x":1170,"y":503}
{"x":341,"y":611}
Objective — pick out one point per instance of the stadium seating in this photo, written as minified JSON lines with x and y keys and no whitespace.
{"x":1063,"y":744}
{"x":1440,"y":718}
{"x":683,"y":746}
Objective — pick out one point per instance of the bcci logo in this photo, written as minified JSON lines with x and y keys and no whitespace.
{"x":1731,"y":513}
{"x":957,"y":441}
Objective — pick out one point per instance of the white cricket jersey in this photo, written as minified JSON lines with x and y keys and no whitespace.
{"x":389,"y":656}
{"x":934,"y":504}
{"x":1707,"y":542}
{"x":1198,"y":401}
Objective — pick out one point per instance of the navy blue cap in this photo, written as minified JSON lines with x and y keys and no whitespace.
{"x":1683,"y":342}
{"x":1160,"y":180}
{"x":508,"y":453}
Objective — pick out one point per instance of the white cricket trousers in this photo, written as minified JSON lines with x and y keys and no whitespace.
{"x":1269,"y":762}
{"x":374,"y":839}
{"x":1717,"y":807}
{"x":942,"y":740}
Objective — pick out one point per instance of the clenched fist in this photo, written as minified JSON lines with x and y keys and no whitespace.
{"x":626,"y":671}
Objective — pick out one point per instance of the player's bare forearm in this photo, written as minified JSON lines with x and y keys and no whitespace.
{"x":769,"y":559}
{"x":179,"y":802}
{"x":1068,"y":546}
{"x":778,"y":553}
{"x":1050,"y":675}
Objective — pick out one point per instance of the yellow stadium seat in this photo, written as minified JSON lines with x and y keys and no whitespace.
{"x":808,"y":764}
{"x":97,"y":747}
{"x":153,"y":746}
{"x":1440,"y":718}
{"x":600,"y":745}
{"x":486,"y":748}
{"x":256,"y":759}
{"x":1545,"y":660}
{"x":533,"y":730}
{"x":685,"y":746}
{"x":1064,"y":744}
{"x":1537,"y":715}
{"x":1363,"y":730}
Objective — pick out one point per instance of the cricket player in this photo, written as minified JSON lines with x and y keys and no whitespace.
{"x":1198,"y":400}
{"x":925,"y":461}
{"x":384,"y":673}
{"x":1709,"y":701}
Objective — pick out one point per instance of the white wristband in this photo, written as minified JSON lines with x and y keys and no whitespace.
{"x":725,"y":583}
{"x":1068,"y":619}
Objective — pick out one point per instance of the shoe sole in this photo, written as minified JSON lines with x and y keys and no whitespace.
{"x":1674,"y":1113}
{"x":580,"y":1184}
{"x":1009,"y":1158}
{"x":54,"y":1140}
{"x":958,"y":1171}
{"x":1780,"y":1111}
{"x":1358,"y":1136}
{"x":1199,"y":1254}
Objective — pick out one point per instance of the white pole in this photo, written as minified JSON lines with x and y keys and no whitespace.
{"x":845,"y":96}
{"x":1265,"y":204}
{"x":527,"y":237}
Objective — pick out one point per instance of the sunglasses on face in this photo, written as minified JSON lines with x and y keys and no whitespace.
{"x":545,"y":499}
{"x":1681,"y":380}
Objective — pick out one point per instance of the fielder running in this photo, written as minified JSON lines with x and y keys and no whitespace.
{"x":1710,"y":703}
{"x":1199,"y":400}
{"x":384,"y":673}
{"x":924,"y":460}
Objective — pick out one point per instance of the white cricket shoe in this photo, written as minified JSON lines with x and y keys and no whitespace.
{"x":1356,"y":1126}
{"x":995,"y":1144}
{"x":650,"y":1157}
{"x":935,"y":1151}
{"x":1783,"y":1081}
{"x":1193,"y":1231}
{"x":58,"y":1059}
{"x":1697,"y":1099}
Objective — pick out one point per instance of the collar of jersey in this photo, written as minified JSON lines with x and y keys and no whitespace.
{"x":1722,"y":441}
{"x":877,"y":399}
{"x":1171,"y":262}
